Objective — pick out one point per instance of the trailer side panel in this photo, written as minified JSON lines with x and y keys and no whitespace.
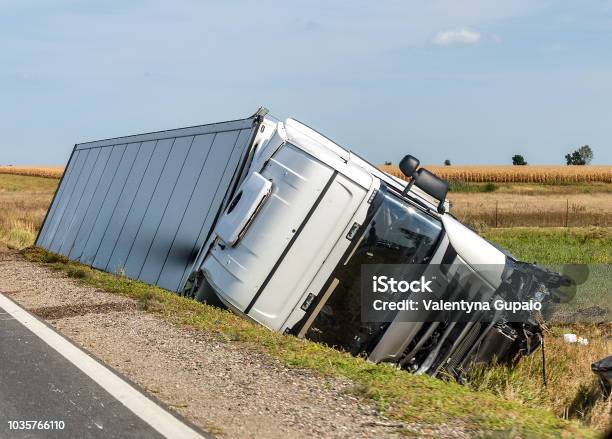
{"x":143,"y":205}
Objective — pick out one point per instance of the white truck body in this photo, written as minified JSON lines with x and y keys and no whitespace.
{"x":297,"y":236}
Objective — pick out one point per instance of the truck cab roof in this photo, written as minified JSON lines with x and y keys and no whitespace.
{"x":304,"y":136}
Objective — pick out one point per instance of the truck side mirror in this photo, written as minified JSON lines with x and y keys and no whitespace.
{"x":408,"y":165}
{"x":432,"y":185}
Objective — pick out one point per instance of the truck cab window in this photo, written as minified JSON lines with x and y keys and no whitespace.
{"x":397,"y":234}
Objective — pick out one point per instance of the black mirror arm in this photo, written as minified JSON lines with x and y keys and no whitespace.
{"x":408,"y":187}
{"x":441,"y":208}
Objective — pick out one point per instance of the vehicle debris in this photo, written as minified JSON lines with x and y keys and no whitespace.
{"x":573,"y":338}
{"x":570,"y":338}
{"x":603,"y":369}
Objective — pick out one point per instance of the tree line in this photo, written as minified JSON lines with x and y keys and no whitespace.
{"x":581,"y":156}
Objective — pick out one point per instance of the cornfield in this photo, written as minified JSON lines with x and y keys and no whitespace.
{"x":517,"y":174}
{"x":469,"y":174}
{"x":34,"y":171}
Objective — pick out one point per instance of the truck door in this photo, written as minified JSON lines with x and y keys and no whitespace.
{"x":286,"y":232}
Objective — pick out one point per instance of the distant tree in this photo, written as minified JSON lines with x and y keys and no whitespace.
{"x":388,"y":163}
{"x":518,"y":160}
{"x":582,"y":156}
{"x":447,"y":162}
{"x":574,"y":159}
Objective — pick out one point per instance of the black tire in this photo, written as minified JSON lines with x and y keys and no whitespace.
{"x":206,"y":294}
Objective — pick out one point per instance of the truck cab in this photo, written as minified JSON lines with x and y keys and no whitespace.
{"x":288,"y":250}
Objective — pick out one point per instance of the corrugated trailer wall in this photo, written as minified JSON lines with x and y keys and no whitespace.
{"x":144,"y":205}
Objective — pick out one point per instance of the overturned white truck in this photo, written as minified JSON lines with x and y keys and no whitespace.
{"x":274,"y":221}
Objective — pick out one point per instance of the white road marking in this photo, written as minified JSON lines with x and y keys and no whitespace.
{"x":147,"y":410}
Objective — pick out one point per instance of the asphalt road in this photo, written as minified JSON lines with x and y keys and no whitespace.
{"x":37,"y":383}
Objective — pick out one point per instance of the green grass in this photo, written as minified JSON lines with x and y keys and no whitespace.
{"x":550,"y":246}
{"x":22,"y":183}
{"x":554,"y":247}
{"x":462,"y":186}
{"x":399,"y":394}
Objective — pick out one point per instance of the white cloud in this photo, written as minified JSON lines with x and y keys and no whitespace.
{"x":456,"y":36}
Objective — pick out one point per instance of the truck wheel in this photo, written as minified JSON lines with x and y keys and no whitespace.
{"x":206,"y":294}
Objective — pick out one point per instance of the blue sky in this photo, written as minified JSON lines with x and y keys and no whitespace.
{"x":472,"y":81}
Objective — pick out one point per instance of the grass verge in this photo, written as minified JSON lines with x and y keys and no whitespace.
{"x":399,"y":395}
{"x":556,"y":245}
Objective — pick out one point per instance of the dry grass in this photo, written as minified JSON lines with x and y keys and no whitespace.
{"x":517,"y":174}
{"x":34,"y":171}
{"x":570,"y":197}
{"x":504,"y":209}
{"x":23,"y":204}
{"x":572,"y":391}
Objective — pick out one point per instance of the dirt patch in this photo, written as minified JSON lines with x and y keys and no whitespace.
{"x":223,"y":387}
{"x":65,"y":311}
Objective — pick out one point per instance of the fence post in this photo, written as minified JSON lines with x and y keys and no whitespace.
{"x":496,"y":206}
{"x":566,"y":212}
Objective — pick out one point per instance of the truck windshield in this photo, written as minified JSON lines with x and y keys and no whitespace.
{"x":397,"y":233}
